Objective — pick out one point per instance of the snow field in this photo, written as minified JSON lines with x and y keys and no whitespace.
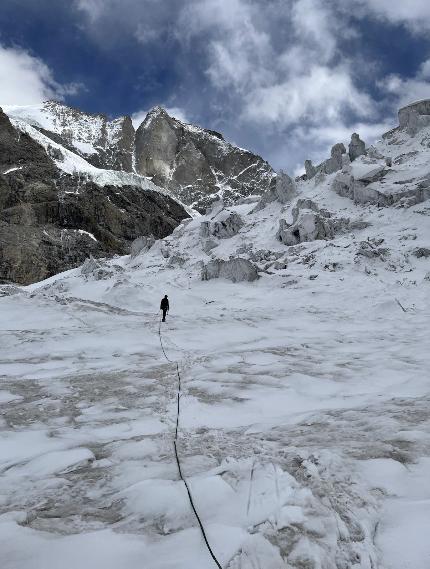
{"x":305,"y":417}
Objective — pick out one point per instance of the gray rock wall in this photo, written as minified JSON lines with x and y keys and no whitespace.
{"x":46,"y":226}
{"x":195,"y":164}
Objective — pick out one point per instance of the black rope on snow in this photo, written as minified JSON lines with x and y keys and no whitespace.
{"x":202,"y":529}
{"x":178,"y":462}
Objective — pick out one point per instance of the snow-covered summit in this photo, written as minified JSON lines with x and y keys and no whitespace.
{"x":103,"y":143}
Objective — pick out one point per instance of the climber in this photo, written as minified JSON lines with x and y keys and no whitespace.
{"x":164,"y":306}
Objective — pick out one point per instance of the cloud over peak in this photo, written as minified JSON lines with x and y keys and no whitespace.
{"x":26,"y":80}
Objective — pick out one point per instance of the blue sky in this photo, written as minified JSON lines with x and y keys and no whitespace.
{"x":285,"y":78}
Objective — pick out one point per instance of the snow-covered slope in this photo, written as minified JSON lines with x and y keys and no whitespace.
{"x":106,"y":144}
{"x":304,"y":431}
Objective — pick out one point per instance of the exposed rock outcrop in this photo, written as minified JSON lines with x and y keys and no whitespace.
{"x":357,"y":147}
{"x":235,"y":270}
{"x":51,"y":221}
{"x":195,"y":164}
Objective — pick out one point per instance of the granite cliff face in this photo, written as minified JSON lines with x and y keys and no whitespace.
{"x":51,"y":221}
{"x":195,"y":164}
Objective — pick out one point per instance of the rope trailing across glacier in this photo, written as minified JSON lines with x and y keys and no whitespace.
{"x":178,"y":462}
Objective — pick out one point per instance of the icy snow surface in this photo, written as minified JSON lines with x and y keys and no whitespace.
{"x":305,"y":416}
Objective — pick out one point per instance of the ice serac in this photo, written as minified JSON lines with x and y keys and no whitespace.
{"x":103,"y":143}
{"x":234,"y":269}
{"x":414,"y":117}
{"x":332,"y":164}
{"x":310,"y":223}
{"x":51,"y":221}
{"x":196,"y":164}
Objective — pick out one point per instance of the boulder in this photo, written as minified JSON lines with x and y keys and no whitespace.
{"x":421,"y":252}
{"x":356,"y":147}
{"x":235,"y":270}
{"x":372,"y":249}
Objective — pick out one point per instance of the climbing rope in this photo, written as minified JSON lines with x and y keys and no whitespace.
{"x":175,"y":447}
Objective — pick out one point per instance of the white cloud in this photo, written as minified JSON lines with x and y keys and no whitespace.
{"x":321,"y":95}
{"x":314,"y":24}
{"x":146,"y":34}
{"x":93,"y":9}
{"x":404,"y":91}
{"x":278,"y":82}
{"x":25,"y":79}
{"x":275,"y":69}
{"x":238,"y":50}
{"x":413,"y":13}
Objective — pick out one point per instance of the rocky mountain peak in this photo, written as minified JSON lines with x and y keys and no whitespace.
{"x":194,"y":164}
{"x":155,"y":112}
{"x":51,"y":220}
{"x":197,"y":164}
{"x":102,"y":142}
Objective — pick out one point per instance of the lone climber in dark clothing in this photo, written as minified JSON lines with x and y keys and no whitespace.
{"x":164,"y":306}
